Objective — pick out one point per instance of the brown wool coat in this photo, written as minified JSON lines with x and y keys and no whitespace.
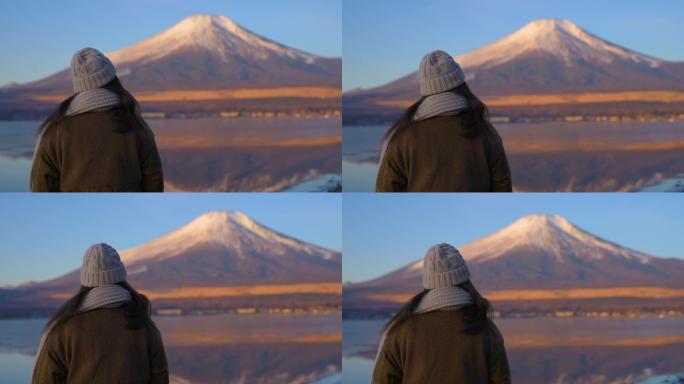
{"x":431,"y":348}
{"x":83,"y":153}
{"x":432,"y":156}
{"x":96,"y":347}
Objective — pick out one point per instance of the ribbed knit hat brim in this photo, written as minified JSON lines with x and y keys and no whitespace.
{"x":102,"y":265}
{"x":91,"y":69}
{"x":446,"y":279}
{"x":96,"y":279}
{"x":439,"y":73}
{"x":443,"y":266}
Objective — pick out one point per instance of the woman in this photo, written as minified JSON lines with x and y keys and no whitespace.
{"x":443,"y":334}
{"x":444,"y":142}
{"x":96,"y":140}
{"x":104,"y":334}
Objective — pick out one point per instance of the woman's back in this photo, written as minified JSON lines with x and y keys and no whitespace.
{"x":96,"y":347}
{"x":435,"y":155}
{"x":96,"y":152}
{"x":432,"y":348}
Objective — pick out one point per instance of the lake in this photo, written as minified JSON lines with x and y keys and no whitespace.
{"x":557,"y":156}
{"x":214,"y":349}
{"x":558,"y":350}
{"x":213,"y":154}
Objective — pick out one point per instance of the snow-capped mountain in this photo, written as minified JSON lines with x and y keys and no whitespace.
{"x":208,"y":52}
{"x":216,"y":34}
{"x":544,"y":56}
{"x":221,"y":249}
{"x":553,"y":234}
{"x":560,"y":38}
{"x":227,"y":229}
{"x":220,"y":260}
{"x":546,"y":251}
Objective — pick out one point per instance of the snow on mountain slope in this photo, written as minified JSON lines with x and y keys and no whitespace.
{"x":546,"y":251}
{"x":220,"y":249}
{"x":560,"y":38}
{"x":553,"y":234}
{"x":206,"y":52}
{"x":219,"y":260}
{"x":233,"y":230}
{"x":544,"y":56}
{"x":214,"y":33}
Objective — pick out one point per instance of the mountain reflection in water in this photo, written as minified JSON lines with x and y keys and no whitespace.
{"x":555,"y":156}
{"x":214,"y":349}
{"x":555,"y":350}
{"x":211,"y":154}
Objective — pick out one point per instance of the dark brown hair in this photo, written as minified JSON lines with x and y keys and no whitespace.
{"x":476,"y":315}
{"x":475,"y":118}
{"x":127,"y":111}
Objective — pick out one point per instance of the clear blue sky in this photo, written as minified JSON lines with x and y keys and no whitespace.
{"x":385,"y":232}
{"x":44,"y":236}
{"x":38,"y":37}
{"x":385,"y":39}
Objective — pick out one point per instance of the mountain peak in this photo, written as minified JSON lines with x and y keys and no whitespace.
{"x":550,"y":25}
{"x":217,"y":218}
{"x":221,"y":227}
{"x":558,"y":38}
{"x":552,"y":31}
{"x":553,"y":234}
{"x":221,"y":248}
{"x":534,"y":242}
{"x":224,"y":229}
{"x":534,"y":222}
{"x":215,"y":34}
{"x":206,"y":18}
{"x":204,"y":23}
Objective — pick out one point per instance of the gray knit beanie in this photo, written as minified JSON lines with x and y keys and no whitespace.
{"x":443,"y":266}
{"x":101,"y":266}
{"x":439,"y":73}
{"x":91,"y":69}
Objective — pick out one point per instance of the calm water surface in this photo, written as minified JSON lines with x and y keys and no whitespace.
{"x":211,"y":349}
{"x":554,"y":350}
{"x":552,"y":150}
{"x":212,"y":153}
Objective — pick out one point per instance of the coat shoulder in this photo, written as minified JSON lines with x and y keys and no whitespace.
{"x":53,"y":131}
